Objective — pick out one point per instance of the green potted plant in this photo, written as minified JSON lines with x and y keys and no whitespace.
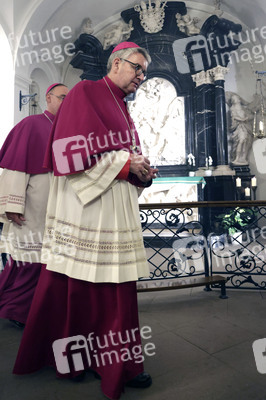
{"x":235,"y":220}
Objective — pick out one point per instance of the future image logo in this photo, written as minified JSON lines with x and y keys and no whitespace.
{"x":42,"y":46}
{"x":71,"y":354}
{"x":197,"y":53}
{"x":259,"y":350}
{"x":75,"y":353}
{"x":194,"y":47}
{"x":71,"y":152}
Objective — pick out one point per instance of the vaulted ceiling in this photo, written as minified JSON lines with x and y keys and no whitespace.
{"x":18,"y":15}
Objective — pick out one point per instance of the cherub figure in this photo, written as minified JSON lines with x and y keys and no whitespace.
{"x":86,"y":26}
{"x":118,"y":33}
{"x":187,"y":24}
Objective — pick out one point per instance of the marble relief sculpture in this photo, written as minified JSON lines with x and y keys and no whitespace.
{"x":170,"y":193}
{"x":151,"y":18}
{"x":241,"y":123}
{"x":159,"y":117}
{"x":187,"y":24}
{"x":117,"y":33}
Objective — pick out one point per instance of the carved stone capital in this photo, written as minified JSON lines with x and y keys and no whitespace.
{"x":219,"y":73}
{"x":210,"y":76}
{"x":203,"y":78}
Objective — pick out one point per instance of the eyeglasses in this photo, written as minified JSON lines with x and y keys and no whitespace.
{"x":138,"y":68}
{"x":62,"y":97}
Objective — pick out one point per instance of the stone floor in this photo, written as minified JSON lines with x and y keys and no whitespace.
{"x":203,"y":351}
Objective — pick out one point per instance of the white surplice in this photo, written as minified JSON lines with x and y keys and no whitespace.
{"x":93,"y":230}
{"x":27,"y":195}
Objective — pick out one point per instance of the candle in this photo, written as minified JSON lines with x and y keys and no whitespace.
{"x":238,"y":182}
{"x":254,"y":182}
{"x":247,"y":192}
{"x":261,"y":126}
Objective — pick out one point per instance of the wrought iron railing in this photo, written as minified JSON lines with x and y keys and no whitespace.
{"x":207,"y":238}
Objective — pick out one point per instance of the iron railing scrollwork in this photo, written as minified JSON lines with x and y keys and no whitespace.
{"x":174,"y":242}
{"x":184,"y":239}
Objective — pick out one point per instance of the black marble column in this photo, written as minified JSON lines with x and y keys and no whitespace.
{"x":205,"y":120}
{"x":220,"y":112}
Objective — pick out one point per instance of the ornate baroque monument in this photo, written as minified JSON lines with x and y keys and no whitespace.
{"x":193,"y":59}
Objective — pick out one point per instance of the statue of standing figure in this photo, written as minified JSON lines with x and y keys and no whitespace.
{"x":240,"y":127}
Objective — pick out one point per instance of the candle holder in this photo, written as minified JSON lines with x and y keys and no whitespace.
{"x":247,"y":193}
{"x":254,"y":189}
{"x":239,"y":189}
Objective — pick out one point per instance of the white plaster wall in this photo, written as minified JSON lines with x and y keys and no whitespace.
{"x":7,"y":87}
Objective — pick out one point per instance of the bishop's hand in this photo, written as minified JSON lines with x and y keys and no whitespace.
{"x":140,"y":166}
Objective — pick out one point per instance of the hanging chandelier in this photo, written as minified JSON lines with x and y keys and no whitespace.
{"x":259,"y":128}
